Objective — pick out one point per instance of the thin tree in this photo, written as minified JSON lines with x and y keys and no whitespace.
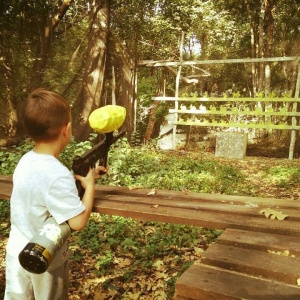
{"x":91,"y":94}
{"x":48,"y":26}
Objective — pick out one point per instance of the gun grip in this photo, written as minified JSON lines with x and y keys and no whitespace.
{"x":80,"y":189}
{"x":103,"y":163}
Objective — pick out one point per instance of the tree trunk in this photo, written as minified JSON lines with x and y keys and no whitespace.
{"x":43,"y":50}
{"x":151,"y":121}
{"x":120,"y":79}
{"x":91,"y":93}
{"x":269,"y":43}
{"x":9,"y":116}
{"x":253,"y":41}
{"x":261,"y":45}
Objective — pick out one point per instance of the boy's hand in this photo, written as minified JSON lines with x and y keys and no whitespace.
{"x":88,"y":183}
{"x":89,"y":179}
{"x":99,"y":170}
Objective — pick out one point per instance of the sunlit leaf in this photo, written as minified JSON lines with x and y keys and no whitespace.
{"x":152,"y":192}
{"x":282,"y":253}
{"x":273,"y":214}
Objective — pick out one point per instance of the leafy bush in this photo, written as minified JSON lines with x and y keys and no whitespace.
{"x":144,"y":166}
{"x":284,"y":176}
{"x":150,"y":168}
{"x":75,"y":148}
{"x":9,"y":157}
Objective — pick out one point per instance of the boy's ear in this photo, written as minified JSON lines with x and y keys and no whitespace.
{"x":67,"y":129}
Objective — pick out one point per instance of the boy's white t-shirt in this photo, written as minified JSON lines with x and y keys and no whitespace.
{"x":42,"y":186}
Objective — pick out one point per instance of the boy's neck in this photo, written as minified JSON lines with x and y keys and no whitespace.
{"x":50,"y":148}
{"x":55,"y":146}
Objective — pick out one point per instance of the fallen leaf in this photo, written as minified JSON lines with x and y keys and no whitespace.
{"x":161,"y":275}
{"x":160,"y":295}
{"x":152,"y":192}
{"x":198,"y":250}
{"x":285,"y":253}
{"x":133,"y":187}
{"x":159,"y":265}
{"x":273,"y":214}
{"x":298,"y":281}
{"x":282,"y":253}
{"x":122,"y":262}
{"x":154,"y":206}
{"x":132,"y":296}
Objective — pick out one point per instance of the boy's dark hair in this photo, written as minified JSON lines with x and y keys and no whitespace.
{"x":44,"y":114}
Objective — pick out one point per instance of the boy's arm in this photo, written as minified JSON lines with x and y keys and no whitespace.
{"x":79,"y":222}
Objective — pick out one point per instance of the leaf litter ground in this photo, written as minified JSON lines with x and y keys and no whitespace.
{"x":142,"y":260}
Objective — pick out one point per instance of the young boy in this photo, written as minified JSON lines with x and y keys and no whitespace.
{"x":42,"y":186}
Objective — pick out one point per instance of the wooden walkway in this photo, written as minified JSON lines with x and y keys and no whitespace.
{"x":242,"y":264}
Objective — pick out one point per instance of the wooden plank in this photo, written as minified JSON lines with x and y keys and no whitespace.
{"x":183,"y":198}
{"x":177,"y":297}
{"x":5,"y":187}
{"x":194,"y":197}
{"x":198,"y":209}
{"x":260,"y":241}
{"x":220,"y":99}
{"x":239,"y":125}
{"x":250,"y":113}
{"x":208,"y":282}
{"x":255,"y":263}
{"x":226,"y":208}
{"x":196,"y":217}
{"x":216,"y":61}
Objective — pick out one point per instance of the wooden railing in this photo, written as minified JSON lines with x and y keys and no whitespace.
{"x":244,"y":113}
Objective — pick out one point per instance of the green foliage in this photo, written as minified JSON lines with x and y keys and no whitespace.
{"x":4,"y":220}
{"x":9,"y":157}
{"x":76,"y":148}
{"x":284,"y":176}
{"x":149,"y":168}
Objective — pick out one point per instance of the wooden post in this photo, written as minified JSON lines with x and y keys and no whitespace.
{"x":294,"y":121}
{"x":135,"y":104}
{"x":113,"y":86}
{"x":177,"y":91}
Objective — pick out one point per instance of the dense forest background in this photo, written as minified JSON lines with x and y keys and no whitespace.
{"x":98,"y":52}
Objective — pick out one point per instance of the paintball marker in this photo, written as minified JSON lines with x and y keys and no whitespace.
{"x":99,"y":152}
{"x":103,"y":120}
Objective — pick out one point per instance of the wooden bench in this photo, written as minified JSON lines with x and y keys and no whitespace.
{"x":240,"y":265}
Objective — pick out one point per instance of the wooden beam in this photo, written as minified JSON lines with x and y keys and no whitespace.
{"x":236,"y":125}
{"x":213,"y":283}
{"x":198,"y":209}
{"x":183,"y":78}
{"x":220,"y":99}
{"x":254,"y":263}
{"x":149,"y":63}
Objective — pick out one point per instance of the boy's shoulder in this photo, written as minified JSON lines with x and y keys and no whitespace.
{"x":34,"y":162}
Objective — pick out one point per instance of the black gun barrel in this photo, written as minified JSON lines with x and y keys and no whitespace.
{"x":82,"y":164}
